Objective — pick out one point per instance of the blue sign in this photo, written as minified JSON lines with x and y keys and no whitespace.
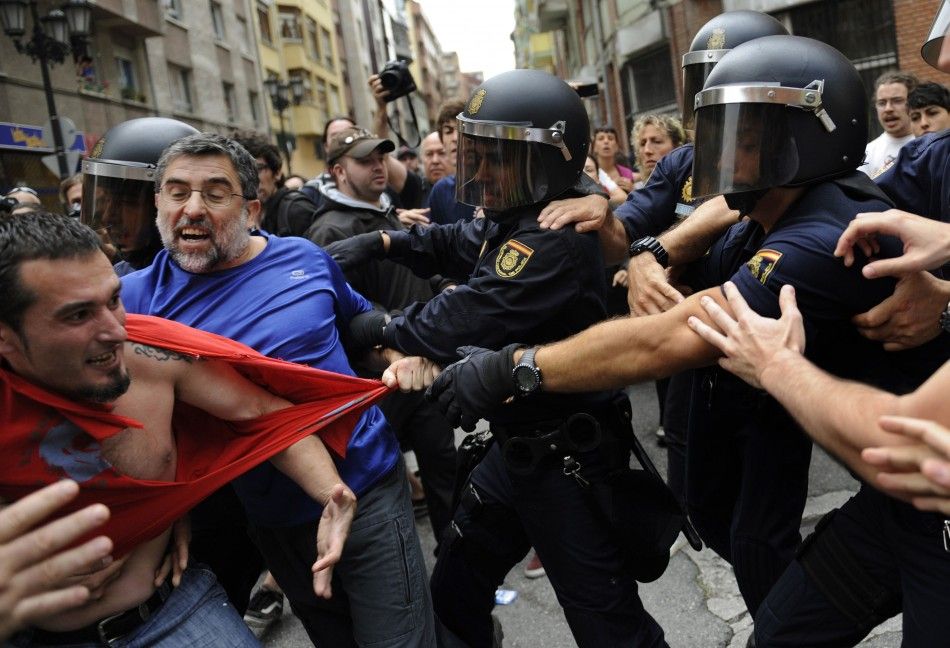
{"x":22,"y":136}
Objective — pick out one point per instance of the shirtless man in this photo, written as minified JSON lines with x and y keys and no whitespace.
{"x":62,"y":329}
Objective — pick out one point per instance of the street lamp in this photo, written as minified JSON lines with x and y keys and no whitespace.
{"x":54,"y":36}
{"x":282,"y":96}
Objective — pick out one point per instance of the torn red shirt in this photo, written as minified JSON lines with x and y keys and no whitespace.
{"x":45,"y":437}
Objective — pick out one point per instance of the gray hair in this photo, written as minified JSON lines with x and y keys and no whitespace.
{"x":205,"y":144}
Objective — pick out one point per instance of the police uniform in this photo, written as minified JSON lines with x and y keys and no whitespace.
{"x":518,"y":282}
{"x":919,"y":181}
{"x":806,"y":606}
{"x":666,"y":199}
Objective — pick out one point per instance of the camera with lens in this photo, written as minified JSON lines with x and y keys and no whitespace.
{"x":397,"y":79}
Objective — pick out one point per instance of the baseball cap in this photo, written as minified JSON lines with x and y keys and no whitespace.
{"x":356,"y":142}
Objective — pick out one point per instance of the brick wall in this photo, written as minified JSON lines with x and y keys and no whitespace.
{"x":912,"y":22}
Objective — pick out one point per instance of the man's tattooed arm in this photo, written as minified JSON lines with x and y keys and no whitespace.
{"x":160,"y":354}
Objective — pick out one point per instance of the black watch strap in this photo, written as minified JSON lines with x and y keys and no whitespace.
{"x":526,"y":375}
{"x":653,"y":246}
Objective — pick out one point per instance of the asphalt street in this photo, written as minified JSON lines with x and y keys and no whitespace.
{"x":696,"y":600}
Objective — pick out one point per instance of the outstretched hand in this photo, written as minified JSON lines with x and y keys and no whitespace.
{"x":910,"y":316}
{"x":475,"y":385}
{"x":333,"y":530}
{"x":35,"y":570}
{"x":749,"y":341}
{"x":920,"y":471}
{"x":587,"y":214}
{"x":648,"y":287}
{"x":410,"y":373}
{"x":926,"y":242}
{"x":356,"y":250}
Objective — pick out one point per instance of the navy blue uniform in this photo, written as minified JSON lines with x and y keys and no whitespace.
{"x":799,"y":250}
{"x":919,"y":181}
{"x":444,"y":208}
{"x":666,"y":198}
{"x":520,"y":283}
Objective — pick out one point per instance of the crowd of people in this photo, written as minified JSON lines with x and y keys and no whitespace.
{"x":210,"y":372}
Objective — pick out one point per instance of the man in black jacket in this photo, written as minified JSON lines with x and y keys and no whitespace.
{"x":357,"y":203}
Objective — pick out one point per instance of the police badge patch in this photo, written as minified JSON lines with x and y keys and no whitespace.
{"x":763,"y":263}
{"x":512,"y":258}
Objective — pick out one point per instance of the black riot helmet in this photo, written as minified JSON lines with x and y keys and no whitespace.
{"x":118,"y":191}
{"x":932,"y":46}
{"x":523,"y":139}
{"x":712,"y":41}
{"x":777,"y":111}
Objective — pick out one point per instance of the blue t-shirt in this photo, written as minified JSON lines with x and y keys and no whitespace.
{"x":286,"y":303}
{"x":444,"y":208}
{"x":666,"y":198}
{"x":919,"y":181}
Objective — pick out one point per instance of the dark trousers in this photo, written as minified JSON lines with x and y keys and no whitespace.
{"x":900,"y":549}
{"x":420,"y":426}
{"x":220,"y":540}
{"x":675,"y":421}
{"x":747,"y":480}
{"x":549,"y":511}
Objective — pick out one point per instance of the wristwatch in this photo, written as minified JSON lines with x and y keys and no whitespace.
{"x":526,"y":375}
{"x":945,"y":319}
{"x":653,"y":246}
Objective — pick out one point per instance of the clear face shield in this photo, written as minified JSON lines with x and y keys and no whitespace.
{"x":501,"y":166}
{"x":743,"y":140}
{"x":930,"y":51}
{"x":118,"y":201}
{"x":696,"y":68}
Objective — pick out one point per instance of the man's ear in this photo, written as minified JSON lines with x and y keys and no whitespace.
{"x":338,"y":173}
{"x":10,"y":342}
{"x":253,"y":211}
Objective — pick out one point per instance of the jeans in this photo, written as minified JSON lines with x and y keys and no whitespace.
{"x":196,"y":614}
{"x":380,"y":594}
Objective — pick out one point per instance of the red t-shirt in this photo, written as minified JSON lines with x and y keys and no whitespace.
{"x":45,"y":437}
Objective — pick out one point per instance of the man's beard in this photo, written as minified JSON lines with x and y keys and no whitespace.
{"x":227,"y":243}
{"x":119,"y":384}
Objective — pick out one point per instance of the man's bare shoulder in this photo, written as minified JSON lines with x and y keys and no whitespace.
{"x":147,"y":362}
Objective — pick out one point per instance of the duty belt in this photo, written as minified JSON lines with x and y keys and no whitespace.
{"x":524,"y":447}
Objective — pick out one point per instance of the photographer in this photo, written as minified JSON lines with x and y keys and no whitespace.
{"x":406,"y":186}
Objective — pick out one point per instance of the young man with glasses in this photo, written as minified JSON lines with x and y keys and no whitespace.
{"x":890,"y":100}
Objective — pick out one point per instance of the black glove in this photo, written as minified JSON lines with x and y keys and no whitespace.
{"x":475,"y":385}
{"x":366,"y":330}
{"x":357,"y":250}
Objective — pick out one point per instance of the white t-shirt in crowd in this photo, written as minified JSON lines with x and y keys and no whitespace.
{"x":881,"y":152}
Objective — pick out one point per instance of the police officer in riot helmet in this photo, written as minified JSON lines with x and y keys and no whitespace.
{"x":713,"y":41}
{"x":557,"y":476}
{"x":118,"y":197}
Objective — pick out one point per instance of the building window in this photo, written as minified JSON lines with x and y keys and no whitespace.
{"x":244,"y":36}
{"x":313,"y":47}
{"x":230,"y":102}
{"x":862,"y":30}
{"x":326,"y":47}
{"x":128,"y":88}
{"x":304,"y":76}
{"x":180,"y":81}
{"x":173,"y":9}
{"x":217,"y":21}
{"x":263,"y":19}
{"x":289,"y":23}
{"x":334,"y":97}
{"x":648,"y":84}
{"x":254,"y":100}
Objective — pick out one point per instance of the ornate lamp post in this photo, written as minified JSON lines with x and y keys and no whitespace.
{"x":282,"y":96}
{"x":53,"y":37}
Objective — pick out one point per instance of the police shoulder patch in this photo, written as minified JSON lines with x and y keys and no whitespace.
{"x":687,"y":193}
{"x":512,"y":257}
{"x":763,"y":263}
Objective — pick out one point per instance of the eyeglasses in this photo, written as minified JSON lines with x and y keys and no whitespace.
{"x":213,"y":196}
{"x":897,"y":102}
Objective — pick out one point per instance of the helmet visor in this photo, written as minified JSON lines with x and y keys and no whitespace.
{"x":696,"y":67}
{"x":930,"y":51}
{"x":499,"y":174}
{"x":742,"y":147}
{"x":122,"y":211}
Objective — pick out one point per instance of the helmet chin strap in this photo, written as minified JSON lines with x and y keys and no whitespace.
{"x":744,"y":201}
